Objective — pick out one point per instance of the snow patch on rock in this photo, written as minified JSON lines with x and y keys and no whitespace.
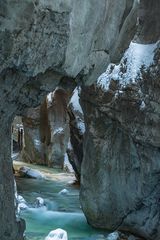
{"x":22,"y":206}
{"x":76,"y":107}
{"x":58,"y":130}
{"x":58,"y":234}
{"x":67,"y":166}
{"x":20,"y":199}
{"x":75,"y":100}
{"x":81,"y":125}
{"x":49,"y":97}
{"x":21,"y":202}
{"x":142,"y":106}
{"x":15,"y":156}
{"x":39,"y":202}
{"x":69,"y":146}
{"x":37,"y":144}
{"x":136,"y":57}
{"x":113,"y":236}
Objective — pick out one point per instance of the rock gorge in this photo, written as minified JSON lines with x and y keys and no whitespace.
{"x":48,"y":44}
{"x":53,"y":132}
{"x":46,"y":131}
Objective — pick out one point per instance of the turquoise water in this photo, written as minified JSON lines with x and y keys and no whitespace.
{"x":60,"y":211}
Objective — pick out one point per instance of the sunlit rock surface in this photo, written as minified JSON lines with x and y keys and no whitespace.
{"x":64,"y":192}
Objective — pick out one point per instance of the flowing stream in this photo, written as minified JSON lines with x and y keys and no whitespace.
{"x":60,"y":210}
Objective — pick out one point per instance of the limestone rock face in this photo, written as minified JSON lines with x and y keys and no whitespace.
{"x":64,"y":35}
{"x":36,"y":134}
{"x":33,"y":151}
{"x":46,"y":131}
{"x":54,"y":131}
{"x":40,"y":43}
{"x":120,"y":169}
{"x":148,"y":18}
{"x":59,"y":127}
{"x":11,"y":228}
{"x":77,"y":130}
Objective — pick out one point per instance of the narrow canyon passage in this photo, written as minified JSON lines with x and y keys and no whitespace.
{"x":55,"y":126}
{"x":108,"y":54}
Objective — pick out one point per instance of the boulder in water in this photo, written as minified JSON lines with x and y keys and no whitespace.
{"x":64,"y":192}
{"x":30,"y":173}
{"x":22,"y":205}
{"x":39,"y":202}
{"x":20,"y":199}
{"x":58,"y":234}
{"x":113,"y":236}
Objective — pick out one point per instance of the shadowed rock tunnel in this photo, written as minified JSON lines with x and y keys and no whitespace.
{"x":45,"y":44}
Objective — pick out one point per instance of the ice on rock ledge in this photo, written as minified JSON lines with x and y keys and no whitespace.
{"x":58,"y":234}
{"x":135,"y":57}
